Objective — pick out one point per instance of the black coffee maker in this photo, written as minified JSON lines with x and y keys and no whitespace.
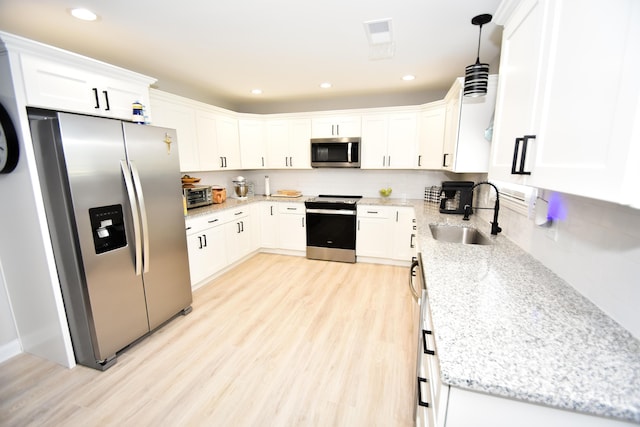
{"x":455,"y":195}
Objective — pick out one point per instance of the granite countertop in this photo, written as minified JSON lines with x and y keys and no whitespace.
{"x":506,"y":325}
{"x":231,"y":203}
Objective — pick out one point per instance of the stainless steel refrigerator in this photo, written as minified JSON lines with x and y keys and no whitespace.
{"x":113,"y":201}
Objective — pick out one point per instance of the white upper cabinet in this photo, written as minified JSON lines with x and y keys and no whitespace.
{"x":218,"y":136}
{"x":568,"y":107}
{"x":335,"y":126}
{"x":208,"y":139}
{"x":82,"y":86}
{"x":288,"y":143}
{"x":431,"y":135}
{"x":466,"y":145}
{"x":389,"y":140}
{"x":253,"y":143}
{"x":172,"y":114}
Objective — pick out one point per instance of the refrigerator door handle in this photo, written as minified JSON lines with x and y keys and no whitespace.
{"x":134,"y":213}
{"x":143,"y":216}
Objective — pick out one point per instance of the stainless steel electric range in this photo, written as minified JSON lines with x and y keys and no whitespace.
{"x":331,"y":227}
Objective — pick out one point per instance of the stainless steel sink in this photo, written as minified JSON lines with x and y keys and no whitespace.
{"x":456,"y":234}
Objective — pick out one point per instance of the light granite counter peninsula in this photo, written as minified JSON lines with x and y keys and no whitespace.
{"x":507,"y":326}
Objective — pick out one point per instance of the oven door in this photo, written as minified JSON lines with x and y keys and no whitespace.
{"x":331,"y":234}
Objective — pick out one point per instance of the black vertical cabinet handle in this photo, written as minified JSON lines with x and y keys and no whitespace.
{"x":204,"y":237}
{"x":516,"y":149}
{"x":426,"y":332}
{"x":523,"y":155}
{"x":420,"y":401}
{"x":262,"y":161}
{"x":411,"y":243}
{"x":95,"y":94}
{"x":200,"y":240}
{"x":419,"y":160}
{"x":106,"y":98}
{"x":291,"y":161}
{"x":444,"y":160}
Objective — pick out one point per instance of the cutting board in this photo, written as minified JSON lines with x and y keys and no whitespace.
{"x":290,"y":194}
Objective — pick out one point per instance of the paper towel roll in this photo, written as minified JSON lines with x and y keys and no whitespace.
{"x":267,"y":190}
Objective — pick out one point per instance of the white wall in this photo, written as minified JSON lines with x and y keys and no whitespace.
{"x":597,"y":251}
{"x":9,"y":342}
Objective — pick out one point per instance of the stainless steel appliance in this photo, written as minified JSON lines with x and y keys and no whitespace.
{"x":240,"y":187}
{"x":331,"y":228}
{"x":335,"y":152}
{"x":455,"y":195}
{"x":198,"y":195}
{"x":113,"y":200}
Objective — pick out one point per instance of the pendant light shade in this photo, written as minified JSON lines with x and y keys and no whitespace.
{"x":476,"y":76}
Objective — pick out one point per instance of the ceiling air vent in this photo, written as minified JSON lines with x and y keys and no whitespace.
{"x":380,"y":38}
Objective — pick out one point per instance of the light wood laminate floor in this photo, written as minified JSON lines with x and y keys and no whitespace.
{"x":277,"y":341}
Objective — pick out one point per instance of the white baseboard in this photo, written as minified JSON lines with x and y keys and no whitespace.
{"x":9,"y":350}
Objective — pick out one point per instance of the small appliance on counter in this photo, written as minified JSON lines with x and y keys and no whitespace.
{"x":240,"y":187}
{"x":455,"y":195}
{"x":197,"y":195}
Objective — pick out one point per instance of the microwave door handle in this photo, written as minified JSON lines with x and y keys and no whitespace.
{"x":126,"y":173}
{"x":349,"y":152}
{"x":143,"y":216}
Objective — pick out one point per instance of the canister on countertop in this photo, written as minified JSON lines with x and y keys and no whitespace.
{"x":267,"y":190}
{"x":218,"y":194}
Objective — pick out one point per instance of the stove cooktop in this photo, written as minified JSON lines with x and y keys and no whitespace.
{"x":330,"y":198}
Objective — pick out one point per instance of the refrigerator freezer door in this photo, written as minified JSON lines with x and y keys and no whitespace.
{"x":93,"y":149}
{"x":153,"y":157}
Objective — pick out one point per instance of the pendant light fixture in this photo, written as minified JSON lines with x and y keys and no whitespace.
{"x":476,"y":76}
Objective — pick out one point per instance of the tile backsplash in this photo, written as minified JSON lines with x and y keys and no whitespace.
{"x":337,"y":181}
{"x":595,"y":248}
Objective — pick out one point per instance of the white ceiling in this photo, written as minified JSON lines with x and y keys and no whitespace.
{"x":217,"y":51}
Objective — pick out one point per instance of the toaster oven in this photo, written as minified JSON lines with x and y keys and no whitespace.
{"x":198,"y":195}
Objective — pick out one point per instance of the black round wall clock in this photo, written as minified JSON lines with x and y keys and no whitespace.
{"x":9,"y":149}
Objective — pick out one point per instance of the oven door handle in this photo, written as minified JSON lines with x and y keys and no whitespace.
{"x":331,"y":211}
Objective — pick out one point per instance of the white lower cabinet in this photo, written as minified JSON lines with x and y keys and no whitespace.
{"x":269,"y":225}
{"x":373,"y":234}
{"x":283,"y":226}
{"x":238,"y":234}
{"x":385,"y":232}
{"x":292,"y":234}
{"x":205,"y":243}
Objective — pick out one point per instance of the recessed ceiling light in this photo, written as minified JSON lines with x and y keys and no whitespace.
{"x":408,"y":78}
{"x":325,"y":85}
{"x":84,"y":14}
{"x":256,"y":91}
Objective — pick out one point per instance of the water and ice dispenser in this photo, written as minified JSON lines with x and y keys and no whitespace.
{"x":107,"y":223}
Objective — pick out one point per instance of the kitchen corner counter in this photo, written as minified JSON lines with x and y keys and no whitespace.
{"x":508,"y":326}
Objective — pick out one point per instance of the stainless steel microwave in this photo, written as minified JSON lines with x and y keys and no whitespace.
{"x":335,"y":152}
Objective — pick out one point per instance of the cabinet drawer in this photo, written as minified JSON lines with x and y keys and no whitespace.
{"x":199,"y":223}
{"x":291,"y":208}
{"x":375,"y":212}
{"x":236,"y":213}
